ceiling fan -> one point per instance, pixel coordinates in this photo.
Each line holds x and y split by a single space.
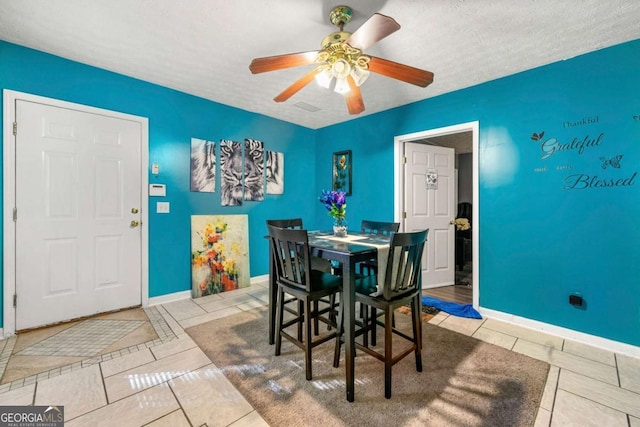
341 59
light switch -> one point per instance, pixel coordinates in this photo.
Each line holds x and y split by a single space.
155 169
162 207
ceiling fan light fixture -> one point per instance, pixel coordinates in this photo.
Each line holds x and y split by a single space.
324 77
342 86
359 75
341 68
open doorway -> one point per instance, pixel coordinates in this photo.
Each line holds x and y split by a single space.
461 246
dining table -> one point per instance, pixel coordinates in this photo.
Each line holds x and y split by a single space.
347 250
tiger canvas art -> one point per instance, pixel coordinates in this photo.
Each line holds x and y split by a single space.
253 170
203 165
230 173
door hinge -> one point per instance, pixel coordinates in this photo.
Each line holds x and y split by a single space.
15 300
404 215
15 214
15 128
404 158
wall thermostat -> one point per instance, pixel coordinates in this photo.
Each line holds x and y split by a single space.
157 190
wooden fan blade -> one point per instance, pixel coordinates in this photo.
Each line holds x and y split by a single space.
355 104
297 85
272 63
408 74
375 29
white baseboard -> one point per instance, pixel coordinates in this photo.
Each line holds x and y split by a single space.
165 299
177 296
592 340
260 279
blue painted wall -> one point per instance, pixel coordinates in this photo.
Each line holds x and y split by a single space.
539 241
174 118
546 230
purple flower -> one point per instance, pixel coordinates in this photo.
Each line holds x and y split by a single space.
335 202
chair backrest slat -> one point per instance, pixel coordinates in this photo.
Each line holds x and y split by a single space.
404 264
286 223
379 227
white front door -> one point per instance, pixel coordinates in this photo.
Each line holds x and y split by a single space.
78 201
432 208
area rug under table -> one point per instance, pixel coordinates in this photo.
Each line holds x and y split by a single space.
465 382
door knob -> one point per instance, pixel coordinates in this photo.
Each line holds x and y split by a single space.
134 224
134 210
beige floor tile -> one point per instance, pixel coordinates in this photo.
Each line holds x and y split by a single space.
124 363
184 309
253 419
137 410
186 323
172 323
525 333
568 361
629 368
589 352
140 335
207 299
250 305
549 393
495 337
543 418
461 325
597 391
19 396
128 314
438 318
172 347
79 391
174 419
25 366
572 410
634 422
235 292
135 380
209 385
221 303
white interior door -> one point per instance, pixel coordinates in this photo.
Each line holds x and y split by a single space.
78 201
432 208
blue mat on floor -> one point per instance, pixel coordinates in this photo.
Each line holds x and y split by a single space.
453 308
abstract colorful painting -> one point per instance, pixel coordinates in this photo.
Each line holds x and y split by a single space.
253 170
275 172
203 165
231 173
219 253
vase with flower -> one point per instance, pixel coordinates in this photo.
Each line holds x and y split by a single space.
336 204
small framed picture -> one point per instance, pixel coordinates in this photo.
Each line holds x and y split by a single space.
342 171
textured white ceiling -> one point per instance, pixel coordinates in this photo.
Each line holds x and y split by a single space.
204 47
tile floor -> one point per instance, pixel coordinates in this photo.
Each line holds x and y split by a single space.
164 382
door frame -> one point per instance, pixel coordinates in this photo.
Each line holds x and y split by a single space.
9 196
398 186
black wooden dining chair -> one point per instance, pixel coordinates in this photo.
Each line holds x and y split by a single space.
317 263
402 285
294 276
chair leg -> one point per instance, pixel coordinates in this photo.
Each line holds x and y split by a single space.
316 322
339 332
279 318
332 312
374 323
417 332
301 316
388 352
307 339
365 325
